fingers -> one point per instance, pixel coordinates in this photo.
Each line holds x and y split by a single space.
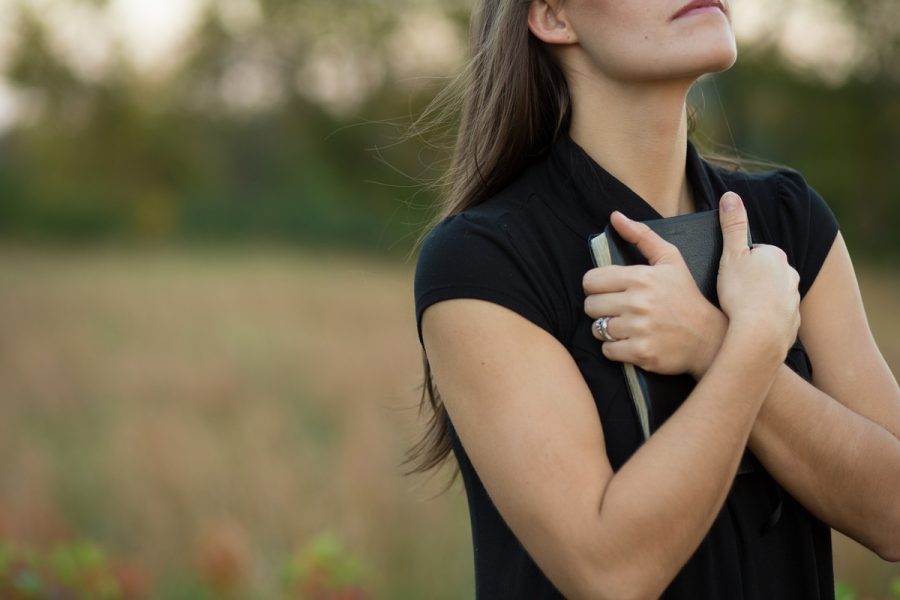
602 305
733 219
613 278
633 351
654 248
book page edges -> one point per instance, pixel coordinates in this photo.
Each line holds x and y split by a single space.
602 258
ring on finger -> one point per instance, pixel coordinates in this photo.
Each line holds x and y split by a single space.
600 326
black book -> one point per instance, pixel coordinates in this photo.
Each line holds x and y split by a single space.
698 237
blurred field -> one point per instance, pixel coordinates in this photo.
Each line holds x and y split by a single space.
165 402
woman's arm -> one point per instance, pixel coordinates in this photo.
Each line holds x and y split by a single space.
835 445
529 425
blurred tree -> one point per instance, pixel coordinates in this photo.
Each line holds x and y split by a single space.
279 118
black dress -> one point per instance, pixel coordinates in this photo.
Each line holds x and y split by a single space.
526 248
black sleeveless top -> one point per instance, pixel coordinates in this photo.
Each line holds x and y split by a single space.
526 248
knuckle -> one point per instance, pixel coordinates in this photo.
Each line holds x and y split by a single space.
643 275
590 305
775 252
776 255
642 229
642 234
642 306
640 327
735 226
642 351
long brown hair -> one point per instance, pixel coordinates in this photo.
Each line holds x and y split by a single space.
513 101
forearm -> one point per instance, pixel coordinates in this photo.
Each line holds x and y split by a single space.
678 479
841 466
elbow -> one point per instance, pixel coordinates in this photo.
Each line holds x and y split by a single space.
889 549
609 566
620 587
889 553
615 570
622 581
887 545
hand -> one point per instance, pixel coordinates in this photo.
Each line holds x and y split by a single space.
757 287
661 320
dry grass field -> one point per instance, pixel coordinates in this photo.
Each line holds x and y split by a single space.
173 404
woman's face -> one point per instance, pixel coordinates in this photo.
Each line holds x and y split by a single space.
632 40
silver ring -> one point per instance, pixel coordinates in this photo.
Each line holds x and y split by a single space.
600 328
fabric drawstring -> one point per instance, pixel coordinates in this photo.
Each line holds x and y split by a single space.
773 518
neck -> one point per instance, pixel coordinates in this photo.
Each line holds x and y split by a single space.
638 134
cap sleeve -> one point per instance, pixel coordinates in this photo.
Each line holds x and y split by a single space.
468 256
810 223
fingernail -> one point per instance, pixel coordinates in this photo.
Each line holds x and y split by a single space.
729 202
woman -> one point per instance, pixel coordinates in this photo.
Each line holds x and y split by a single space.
575 116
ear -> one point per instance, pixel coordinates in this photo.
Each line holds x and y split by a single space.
548 23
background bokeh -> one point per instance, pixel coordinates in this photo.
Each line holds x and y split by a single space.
209 366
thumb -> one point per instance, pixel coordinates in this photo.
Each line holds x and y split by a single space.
733 219
654 248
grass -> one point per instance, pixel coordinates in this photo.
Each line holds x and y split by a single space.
175 404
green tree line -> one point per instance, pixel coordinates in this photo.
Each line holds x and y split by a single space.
129 156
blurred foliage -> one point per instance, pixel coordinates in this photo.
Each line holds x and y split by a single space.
79 570
232 144
73 570
322 570
845 591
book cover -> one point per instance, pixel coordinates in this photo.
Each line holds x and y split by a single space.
698 237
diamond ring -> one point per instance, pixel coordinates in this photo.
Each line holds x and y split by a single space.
600 327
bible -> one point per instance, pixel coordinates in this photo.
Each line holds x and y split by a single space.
698 236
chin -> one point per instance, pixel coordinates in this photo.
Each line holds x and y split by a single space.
713 52
710 51
722 60
723 54
712 59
